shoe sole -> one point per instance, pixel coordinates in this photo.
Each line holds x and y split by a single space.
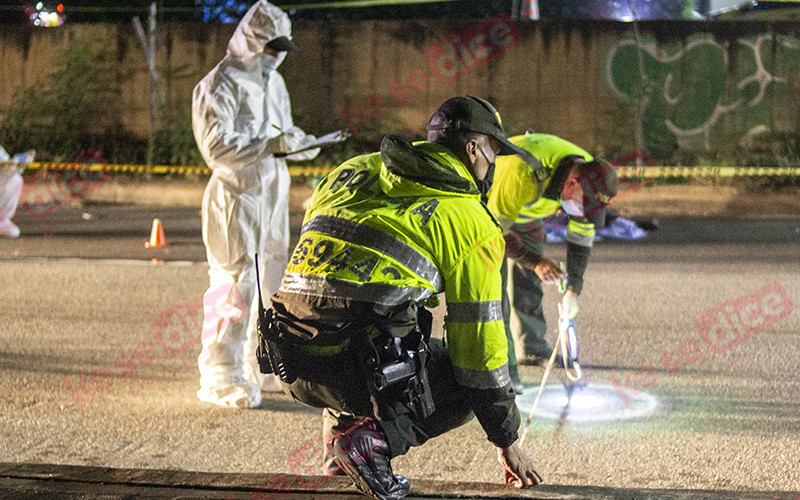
359 482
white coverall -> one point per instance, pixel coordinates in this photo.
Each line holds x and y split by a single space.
10 191
241 117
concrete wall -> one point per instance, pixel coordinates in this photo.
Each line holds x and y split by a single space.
709 87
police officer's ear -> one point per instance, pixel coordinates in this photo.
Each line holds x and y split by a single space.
472 149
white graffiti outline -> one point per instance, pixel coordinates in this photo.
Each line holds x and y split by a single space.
685 136
667 96
762 76
661 55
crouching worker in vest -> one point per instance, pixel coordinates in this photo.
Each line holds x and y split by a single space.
348 330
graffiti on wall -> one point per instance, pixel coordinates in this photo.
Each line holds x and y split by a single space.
704 93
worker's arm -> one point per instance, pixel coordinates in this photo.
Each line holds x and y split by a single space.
524 243
479 353
580 236
547 270
225 130
477 342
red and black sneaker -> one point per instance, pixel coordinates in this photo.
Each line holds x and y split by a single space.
362 453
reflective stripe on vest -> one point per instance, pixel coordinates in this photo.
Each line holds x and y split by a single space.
379 293
475 312
580 233
368 237
491 379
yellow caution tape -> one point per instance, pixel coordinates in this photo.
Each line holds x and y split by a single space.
655 172
295 171
309 171
624 172
105 167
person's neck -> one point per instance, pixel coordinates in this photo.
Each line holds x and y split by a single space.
462 156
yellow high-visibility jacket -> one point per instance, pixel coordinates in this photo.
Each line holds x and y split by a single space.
390 230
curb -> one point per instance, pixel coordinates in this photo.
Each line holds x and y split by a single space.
74 481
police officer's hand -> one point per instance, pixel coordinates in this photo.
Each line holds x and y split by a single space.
517 467
568 308
547 270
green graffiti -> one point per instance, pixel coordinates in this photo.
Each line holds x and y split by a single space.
702 94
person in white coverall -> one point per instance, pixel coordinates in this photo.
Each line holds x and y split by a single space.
241 119
10 191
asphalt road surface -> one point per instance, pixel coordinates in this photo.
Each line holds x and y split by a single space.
689 339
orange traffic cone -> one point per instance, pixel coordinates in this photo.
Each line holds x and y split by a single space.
157 238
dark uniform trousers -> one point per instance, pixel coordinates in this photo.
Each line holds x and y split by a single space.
336 385
528 296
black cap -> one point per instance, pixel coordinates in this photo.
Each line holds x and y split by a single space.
474 114
282 44
599 183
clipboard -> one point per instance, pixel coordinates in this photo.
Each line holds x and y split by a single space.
326 140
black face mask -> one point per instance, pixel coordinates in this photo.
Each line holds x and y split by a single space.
485 184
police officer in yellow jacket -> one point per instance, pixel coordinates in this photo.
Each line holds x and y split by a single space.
521 198
385 233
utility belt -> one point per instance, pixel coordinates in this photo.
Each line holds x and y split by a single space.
393 369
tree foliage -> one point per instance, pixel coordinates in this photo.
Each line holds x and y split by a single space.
63 112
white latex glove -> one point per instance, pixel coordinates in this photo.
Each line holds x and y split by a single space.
285 142
568 308
305 155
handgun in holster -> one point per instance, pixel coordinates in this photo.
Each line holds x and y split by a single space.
396 371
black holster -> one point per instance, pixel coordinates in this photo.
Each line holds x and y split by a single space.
395 370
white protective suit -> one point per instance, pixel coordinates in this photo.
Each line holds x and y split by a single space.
10 191
241 117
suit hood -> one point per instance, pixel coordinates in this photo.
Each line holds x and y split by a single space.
262 23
